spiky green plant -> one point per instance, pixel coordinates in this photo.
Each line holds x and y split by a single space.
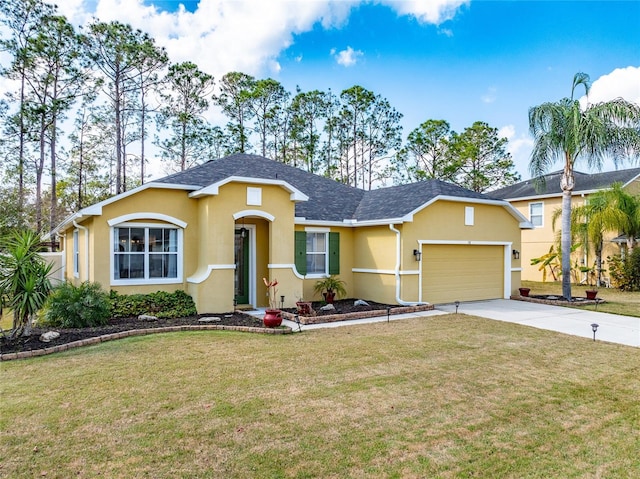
24 282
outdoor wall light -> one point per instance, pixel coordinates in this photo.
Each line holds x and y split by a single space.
516 254
594 328
417 254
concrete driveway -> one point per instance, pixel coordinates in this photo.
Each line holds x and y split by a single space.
577 322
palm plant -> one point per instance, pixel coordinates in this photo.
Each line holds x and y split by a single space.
565 130
24 282
630 206
600 214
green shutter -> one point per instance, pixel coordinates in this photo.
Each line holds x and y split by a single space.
301 252
334 253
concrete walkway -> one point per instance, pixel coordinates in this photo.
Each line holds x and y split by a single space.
577 322
380 319
613 328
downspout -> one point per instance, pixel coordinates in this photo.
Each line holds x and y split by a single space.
397 268
86 248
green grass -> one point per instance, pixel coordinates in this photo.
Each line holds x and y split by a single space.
445 397
616 301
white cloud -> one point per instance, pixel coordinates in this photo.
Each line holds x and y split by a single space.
347 57
489 96
620 83
224 35
519 146
427 11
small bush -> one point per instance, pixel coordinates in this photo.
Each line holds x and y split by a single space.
161 304
81 306
625 272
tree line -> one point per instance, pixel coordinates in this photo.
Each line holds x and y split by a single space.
89 102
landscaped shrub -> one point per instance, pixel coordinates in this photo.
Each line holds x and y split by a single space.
625 273
81 306
160 304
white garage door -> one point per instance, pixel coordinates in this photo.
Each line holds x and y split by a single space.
462 273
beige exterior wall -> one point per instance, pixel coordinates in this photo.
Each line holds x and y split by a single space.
346 265
208 242
445 223
368 254
374 261
272 248
537 242
440 223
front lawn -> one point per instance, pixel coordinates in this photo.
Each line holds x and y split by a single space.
442 397
616 301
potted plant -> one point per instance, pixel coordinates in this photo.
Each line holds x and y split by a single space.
592 292
272 316
304 307
524 291
330 287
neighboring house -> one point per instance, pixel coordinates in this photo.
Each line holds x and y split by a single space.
538 205
217 229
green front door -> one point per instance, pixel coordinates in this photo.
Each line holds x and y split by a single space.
241 292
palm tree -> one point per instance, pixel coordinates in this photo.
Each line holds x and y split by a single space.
630 205
600 214
24 282
564 130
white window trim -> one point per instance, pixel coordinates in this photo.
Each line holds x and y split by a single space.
541 203
469 215
325 231
142 281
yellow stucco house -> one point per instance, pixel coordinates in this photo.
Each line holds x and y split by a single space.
538 206
216 230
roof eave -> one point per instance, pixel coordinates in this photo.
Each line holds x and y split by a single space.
213 189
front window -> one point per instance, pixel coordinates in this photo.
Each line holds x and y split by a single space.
535 214
317 253
145 253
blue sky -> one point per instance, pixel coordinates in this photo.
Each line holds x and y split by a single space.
457 60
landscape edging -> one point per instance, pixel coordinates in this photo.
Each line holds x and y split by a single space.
332 318
138 332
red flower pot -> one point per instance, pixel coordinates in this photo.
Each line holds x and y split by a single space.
591 294
272 318
524 291
329 296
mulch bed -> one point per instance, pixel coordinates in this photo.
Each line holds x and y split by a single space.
67 336
557 300
236 320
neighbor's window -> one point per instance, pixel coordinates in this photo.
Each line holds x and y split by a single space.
535 214
316 253
145 253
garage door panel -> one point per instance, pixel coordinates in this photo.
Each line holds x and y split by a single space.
462 272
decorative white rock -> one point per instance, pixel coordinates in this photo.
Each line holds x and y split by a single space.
328 307
360 302
209 319
49 336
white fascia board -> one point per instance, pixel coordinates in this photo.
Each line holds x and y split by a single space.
522 220
347 223
96 209
213 189
554 195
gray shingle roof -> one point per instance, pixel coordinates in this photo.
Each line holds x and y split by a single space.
398 201
328 199
584 182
